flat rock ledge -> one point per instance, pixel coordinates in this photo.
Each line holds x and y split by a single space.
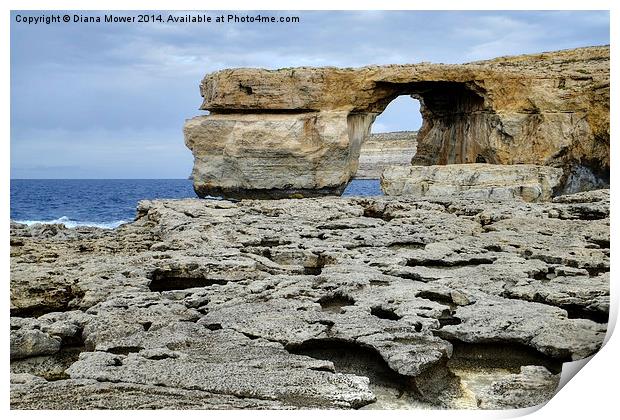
475 181
390 302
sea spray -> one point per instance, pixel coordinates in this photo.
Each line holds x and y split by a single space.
74 223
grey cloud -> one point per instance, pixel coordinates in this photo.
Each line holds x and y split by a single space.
105 86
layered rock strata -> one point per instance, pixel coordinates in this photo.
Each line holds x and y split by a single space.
298 131
389 302
475 181
382 150
275 155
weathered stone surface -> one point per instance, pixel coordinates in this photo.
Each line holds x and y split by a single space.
314 303
274 155
546 109
493 320
534 385
475 181
225 362
34 393
32 343
381 150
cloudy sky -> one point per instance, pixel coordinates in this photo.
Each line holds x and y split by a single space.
109 100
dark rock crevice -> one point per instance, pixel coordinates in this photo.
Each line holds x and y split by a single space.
124 350
506 355
585 312
384 313
334 303
444 263
179 279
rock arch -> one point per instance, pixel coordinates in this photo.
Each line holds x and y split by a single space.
297 132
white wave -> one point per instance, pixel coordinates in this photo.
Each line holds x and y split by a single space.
64 220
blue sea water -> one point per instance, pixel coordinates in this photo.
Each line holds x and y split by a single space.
108 203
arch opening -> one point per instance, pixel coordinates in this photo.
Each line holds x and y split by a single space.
401 114
392 138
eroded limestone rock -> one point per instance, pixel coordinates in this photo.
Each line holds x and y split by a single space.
545 109
532 386
275 155
314 303
476 181
34 393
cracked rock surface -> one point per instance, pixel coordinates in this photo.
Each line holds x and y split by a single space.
386 302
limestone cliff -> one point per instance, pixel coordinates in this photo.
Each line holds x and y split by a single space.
298 131
382 150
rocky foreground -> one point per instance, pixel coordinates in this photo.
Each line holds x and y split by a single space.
387 302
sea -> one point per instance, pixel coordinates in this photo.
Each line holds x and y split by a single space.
108 203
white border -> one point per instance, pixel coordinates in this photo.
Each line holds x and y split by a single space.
591 395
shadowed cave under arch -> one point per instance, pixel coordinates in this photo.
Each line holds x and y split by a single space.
454 119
